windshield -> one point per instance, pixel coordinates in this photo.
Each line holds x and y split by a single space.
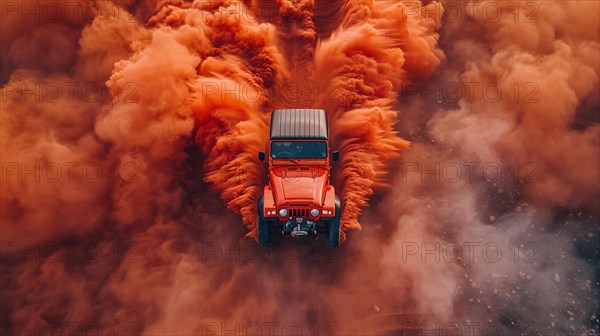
298 149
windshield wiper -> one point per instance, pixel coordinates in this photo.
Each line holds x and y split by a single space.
293 160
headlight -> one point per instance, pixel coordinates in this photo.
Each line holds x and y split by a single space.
314 212
283 212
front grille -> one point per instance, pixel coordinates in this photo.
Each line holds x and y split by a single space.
297 212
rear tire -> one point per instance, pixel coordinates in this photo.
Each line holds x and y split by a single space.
264 232
334 225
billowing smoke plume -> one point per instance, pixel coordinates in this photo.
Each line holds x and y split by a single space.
230 101
130 129
363 64
502 181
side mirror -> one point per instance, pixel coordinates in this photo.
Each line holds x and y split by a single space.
261 156
335 156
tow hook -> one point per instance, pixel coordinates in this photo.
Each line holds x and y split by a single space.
299 226
298 232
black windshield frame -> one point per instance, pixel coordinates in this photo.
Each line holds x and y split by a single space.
299 149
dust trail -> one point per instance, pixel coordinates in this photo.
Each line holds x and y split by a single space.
297 38
299 35
360 70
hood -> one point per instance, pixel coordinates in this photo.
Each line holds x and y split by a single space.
299 185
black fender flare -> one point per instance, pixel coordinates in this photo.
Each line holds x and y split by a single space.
338 206
260 206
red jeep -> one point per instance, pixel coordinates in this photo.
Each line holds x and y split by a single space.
299 201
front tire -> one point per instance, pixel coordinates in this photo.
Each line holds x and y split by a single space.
264 232
334 225
334 233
